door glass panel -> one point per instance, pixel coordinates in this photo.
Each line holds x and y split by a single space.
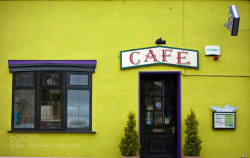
167 117
51 109
157 118
24 102
168 87
149 103
149 88
158 88
149 118
51 79
158 103
167 103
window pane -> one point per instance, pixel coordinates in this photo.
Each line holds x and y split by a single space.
83 96
51 79
73 96
51 109
78 109
84 122
73 109
78 79
84 109
72 122
24 79
24 102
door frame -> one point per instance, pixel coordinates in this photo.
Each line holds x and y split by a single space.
178 102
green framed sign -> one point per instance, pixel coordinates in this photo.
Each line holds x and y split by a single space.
224 120
159 55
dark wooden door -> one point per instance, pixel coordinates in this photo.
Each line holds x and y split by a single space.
157 117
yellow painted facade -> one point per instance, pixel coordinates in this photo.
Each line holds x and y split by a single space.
99 30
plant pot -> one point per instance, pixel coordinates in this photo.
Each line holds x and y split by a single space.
130 156
191 156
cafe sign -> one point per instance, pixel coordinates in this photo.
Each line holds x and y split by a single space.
159 55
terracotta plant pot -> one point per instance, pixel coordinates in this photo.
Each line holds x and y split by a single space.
130 156
191 156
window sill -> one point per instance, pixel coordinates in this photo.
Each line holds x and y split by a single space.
19 131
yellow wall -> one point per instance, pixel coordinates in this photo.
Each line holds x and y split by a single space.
99 30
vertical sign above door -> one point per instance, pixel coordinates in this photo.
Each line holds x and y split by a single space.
159 55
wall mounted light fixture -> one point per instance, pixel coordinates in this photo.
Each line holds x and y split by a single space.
233 20
160 41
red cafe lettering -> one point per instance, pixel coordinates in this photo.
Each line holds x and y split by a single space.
159 55
151 55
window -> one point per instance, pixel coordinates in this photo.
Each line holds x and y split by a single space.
52 99
158 102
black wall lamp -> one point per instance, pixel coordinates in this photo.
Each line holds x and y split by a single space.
160 41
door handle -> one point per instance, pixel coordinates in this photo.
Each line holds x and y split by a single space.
173 130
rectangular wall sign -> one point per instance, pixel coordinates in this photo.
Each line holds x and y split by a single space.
233 20
212 50
159 55
224 120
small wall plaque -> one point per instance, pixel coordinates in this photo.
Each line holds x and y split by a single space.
212 50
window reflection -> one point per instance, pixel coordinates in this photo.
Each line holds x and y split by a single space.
24 109
51 79
149 103
78 109
24 79
149 88
158 88
158 103
158 118
149 118
167 117
47 100
51 109
78 79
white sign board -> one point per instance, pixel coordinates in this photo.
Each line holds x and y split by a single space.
159 55
212 50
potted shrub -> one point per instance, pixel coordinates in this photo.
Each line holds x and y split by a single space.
129 145
192 146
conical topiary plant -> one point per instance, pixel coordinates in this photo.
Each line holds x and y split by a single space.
129 145
192 146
